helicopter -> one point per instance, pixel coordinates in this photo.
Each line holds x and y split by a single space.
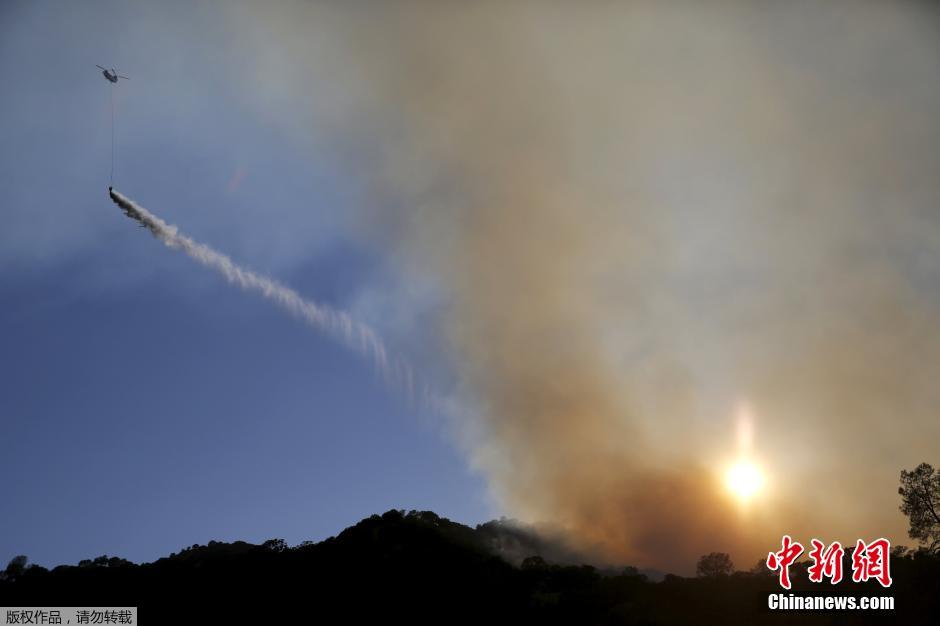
111 74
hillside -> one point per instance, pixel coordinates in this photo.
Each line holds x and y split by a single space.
422 568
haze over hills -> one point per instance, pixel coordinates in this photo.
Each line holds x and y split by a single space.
422 568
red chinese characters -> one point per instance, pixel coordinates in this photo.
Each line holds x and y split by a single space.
869 561
782 560
872 561
827 562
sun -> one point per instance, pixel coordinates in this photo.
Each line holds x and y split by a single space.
744 480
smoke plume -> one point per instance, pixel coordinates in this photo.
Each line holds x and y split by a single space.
639 215
337 323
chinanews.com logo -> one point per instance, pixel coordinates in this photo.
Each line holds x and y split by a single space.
870 561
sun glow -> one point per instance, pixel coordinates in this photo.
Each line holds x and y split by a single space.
744 479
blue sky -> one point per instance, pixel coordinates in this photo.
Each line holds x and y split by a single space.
145 404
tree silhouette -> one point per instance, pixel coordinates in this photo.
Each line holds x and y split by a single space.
760 569
15 567
534 562
275 545
920 501
714 564
433 570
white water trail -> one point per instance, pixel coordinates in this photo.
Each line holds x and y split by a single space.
340 324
